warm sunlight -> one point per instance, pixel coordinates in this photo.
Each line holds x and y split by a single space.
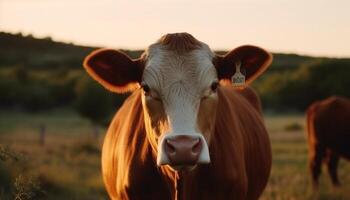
306 27
122 99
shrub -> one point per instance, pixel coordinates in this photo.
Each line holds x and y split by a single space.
93 101
311 82
27 189
9 90
36 97
21 188
31 95
62 90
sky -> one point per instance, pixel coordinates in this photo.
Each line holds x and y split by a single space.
311 27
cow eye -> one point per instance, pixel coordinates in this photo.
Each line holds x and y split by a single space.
214 86
145 88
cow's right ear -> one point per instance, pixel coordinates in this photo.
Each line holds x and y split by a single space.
114 70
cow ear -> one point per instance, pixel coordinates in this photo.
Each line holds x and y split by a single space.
114 70
253 62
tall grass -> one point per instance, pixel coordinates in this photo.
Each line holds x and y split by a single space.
67 166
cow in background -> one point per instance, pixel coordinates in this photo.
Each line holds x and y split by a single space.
328 133
185 132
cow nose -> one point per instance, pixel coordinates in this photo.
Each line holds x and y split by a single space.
183 150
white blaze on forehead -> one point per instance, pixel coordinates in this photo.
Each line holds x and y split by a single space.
180 81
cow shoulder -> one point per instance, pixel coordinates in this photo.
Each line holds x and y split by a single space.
249 94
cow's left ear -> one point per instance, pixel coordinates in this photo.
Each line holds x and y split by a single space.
114 70
253 62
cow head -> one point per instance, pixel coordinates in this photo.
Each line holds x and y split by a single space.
179 76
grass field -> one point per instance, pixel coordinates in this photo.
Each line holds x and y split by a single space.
67 166
290 176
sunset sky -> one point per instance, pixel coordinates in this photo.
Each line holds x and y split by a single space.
313 27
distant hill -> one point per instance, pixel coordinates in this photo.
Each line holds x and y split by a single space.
18 49
40 74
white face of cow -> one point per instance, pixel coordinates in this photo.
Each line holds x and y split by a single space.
179 80
179 87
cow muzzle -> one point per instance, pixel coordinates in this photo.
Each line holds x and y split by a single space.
182 151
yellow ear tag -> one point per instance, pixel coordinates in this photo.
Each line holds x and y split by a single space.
238 79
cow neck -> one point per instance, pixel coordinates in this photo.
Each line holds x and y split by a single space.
175 182
183 178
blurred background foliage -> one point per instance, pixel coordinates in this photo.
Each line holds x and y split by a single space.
40 74
294 90
44 89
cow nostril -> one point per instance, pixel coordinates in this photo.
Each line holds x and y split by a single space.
196 147
170 149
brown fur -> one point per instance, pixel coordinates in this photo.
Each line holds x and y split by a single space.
179 42
128 164
252 97
328 124
240 156
230 120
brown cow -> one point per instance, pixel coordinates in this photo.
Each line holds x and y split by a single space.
184 133
328 125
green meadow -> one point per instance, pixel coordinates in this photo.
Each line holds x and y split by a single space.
67 165
290 178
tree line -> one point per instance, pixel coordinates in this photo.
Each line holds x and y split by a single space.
297 89
41 74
